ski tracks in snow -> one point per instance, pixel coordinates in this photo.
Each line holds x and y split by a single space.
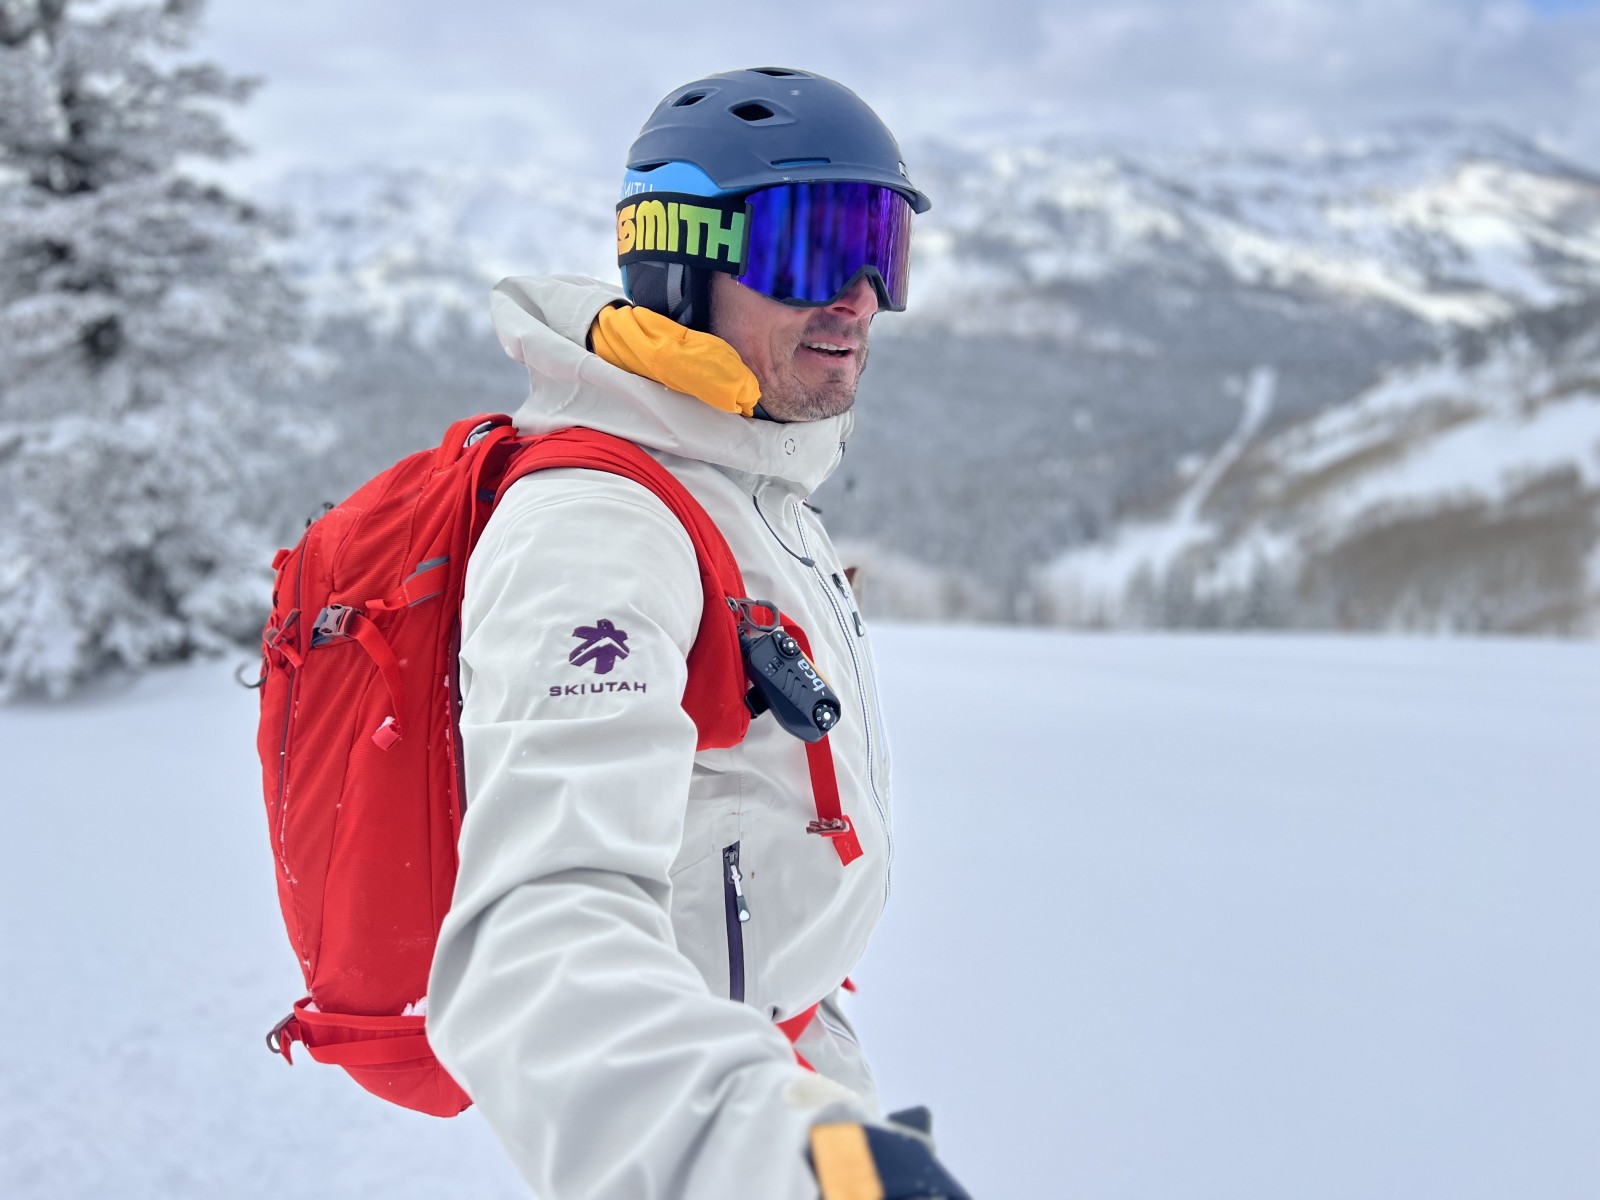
1260 391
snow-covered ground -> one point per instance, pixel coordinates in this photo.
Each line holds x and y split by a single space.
1174 918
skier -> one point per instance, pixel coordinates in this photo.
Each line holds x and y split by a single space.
639 978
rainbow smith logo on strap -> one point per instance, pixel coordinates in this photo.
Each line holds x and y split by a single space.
700 231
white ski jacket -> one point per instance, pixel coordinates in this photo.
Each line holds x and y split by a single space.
583 988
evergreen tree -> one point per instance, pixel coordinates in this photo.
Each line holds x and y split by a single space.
139 318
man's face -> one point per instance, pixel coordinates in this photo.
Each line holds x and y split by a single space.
807 360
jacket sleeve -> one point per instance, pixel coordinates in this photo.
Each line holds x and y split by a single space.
592 1047
831 1045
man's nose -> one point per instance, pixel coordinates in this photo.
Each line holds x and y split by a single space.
858 300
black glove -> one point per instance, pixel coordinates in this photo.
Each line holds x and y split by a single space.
919 1118
854 1162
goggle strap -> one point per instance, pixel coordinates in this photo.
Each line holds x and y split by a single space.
674 227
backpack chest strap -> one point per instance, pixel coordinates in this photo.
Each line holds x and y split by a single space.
831 822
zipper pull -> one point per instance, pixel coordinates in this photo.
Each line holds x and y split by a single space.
738 891
850 604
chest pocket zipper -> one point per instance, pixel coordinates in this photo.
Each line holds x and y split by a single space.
737 911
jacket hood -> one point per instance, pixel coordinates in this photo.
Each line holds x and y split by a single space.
544 323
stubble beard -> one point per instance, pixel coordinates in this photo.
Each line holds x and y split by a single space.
791 400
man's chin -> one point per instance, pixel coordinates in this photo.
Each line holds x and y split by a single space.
836 393
814 404
827 405
838 383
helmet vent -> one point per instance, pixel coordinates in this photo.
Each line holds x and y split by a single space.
777 72
691 98
754 112
801 162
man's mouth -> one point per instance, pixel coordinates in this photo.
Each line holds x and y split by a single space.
830 349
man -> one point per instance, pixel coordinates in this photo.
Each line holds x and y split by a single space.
638 929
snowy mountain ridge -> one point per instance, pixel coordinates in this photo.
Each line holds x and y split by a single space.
1458 226
1455 225
1220 387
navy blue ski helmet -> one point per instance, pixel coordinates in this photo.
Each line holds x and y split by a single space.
782 178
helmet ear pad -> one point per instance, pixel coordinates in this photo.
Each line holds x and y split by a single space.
678 292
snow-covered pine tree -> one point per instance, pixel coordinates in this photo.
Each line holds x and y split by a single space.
139 319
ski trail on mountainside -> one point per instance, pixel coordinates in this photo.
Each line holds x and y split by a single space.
1093 578
1259 394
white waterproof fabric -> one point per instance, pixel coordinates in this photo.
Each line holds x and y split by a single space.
580 992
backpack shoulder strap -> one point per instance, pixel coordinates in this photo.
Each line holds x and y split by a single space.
714 695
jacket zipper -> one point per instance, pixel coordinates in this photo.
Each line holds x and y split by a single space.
871 666
737 912
863 692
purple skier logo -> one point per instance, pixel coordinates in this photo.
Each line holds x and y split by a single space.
603 644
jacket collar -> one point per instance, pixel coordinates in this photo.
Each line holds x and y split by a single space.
544 323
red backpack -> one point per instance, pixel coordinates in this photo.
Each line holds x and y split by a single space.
360 751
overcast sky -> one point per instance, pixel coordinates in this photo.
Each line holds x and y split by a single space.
486 81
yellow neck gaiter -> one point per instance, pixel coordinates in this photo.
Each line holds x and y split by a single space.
698 364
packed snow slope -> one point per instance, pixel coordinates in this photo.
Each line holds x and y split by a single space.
1174 918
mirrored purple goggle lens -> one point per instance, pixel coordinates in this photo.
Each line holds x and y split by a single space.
811 241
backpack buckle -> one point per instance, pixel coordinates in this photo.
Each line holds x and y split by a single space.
479 432
332 622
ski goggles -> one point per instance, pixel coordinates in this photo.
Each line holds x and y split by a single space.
804 244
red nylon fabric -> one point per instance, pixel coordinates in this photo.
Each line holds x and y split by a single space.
364 829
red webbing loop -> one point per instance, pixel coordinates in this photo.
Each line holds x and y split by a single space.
386 1052
350 1041
371 639
285 650
831 822
277 642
